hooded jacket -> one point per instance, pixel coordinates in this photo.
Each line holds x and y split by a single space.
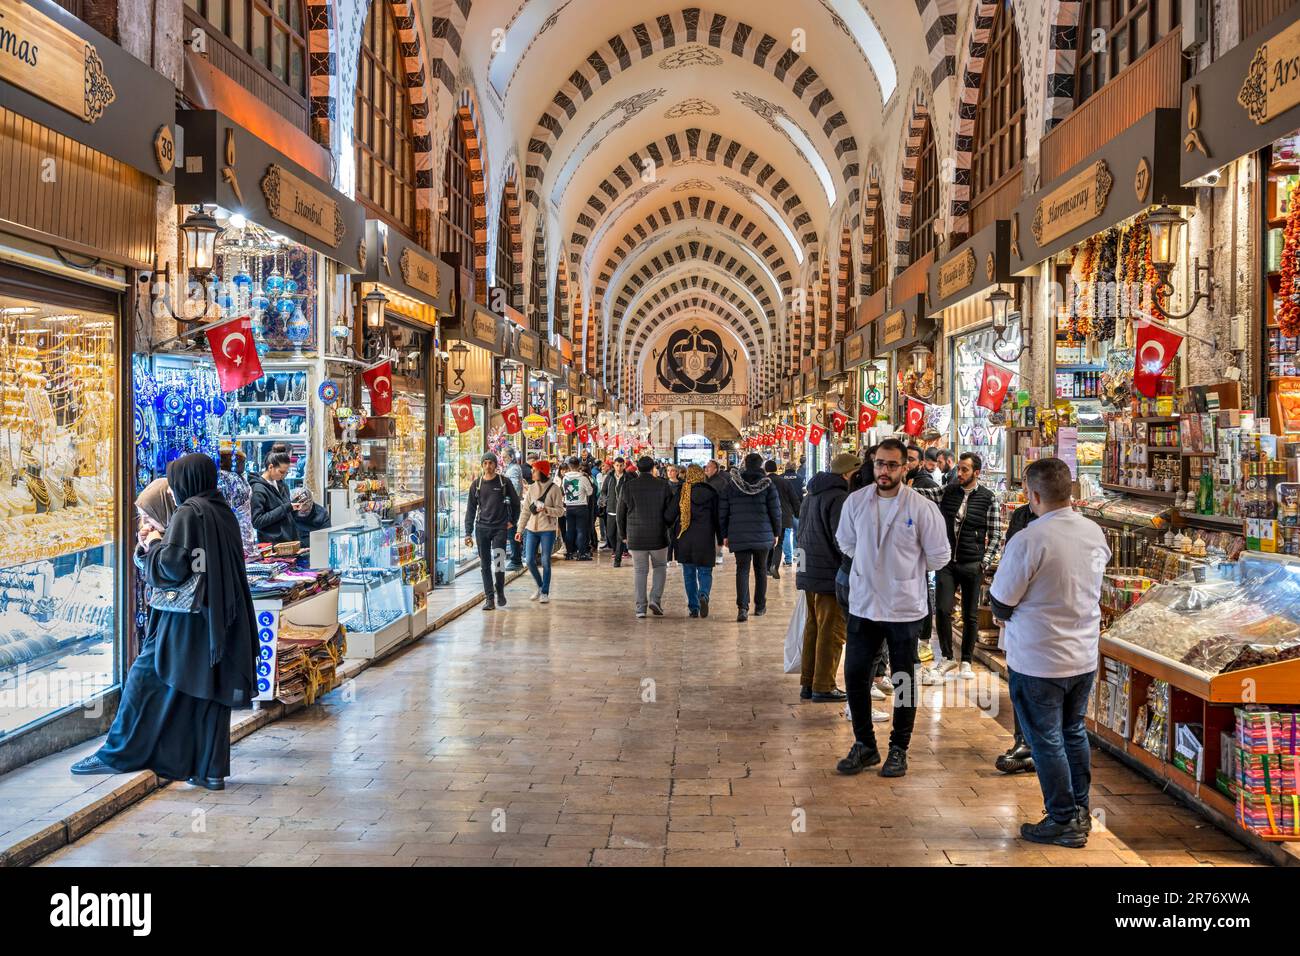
785 491
750 511
697 545
272 511
647 510
819 519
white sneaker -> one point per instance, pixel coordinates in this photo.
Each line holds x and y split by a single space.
967 672
537 595
930 676
884 685
877 693
948 670
545 599
878 716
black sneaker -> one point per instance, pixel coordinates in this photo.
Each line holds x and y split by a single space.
859 759
501 599
704 606
835 696
655 609
1008 764
895 763
694 613
207 783
1085 820
1048 830
805 693
775 574
489 604
742 616
759 611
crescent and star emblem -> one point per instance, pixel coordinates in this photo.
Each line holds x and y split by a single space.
387 384
1159 349
225 347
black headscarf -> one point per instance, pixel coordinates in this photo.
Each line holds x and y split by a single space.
193 480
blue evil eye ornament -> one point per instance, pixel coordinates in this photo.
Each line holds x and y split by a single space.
137 425
242 280
173 401
218 406
290 285
328 391
259 303
142 477
199 408
274 282
284 306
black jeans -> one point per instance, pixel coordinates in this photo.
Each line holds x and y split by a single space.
577 528
967 577
758 558
1050 713
491 540
864 640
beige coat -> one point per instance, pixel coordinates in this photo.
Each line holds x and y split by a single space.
552 501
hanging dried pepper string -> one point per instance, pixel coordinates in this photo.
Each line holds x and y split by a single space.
1288 312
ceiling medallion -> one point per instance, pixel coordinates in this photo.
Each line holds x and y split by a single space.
694 106
693 54
686 185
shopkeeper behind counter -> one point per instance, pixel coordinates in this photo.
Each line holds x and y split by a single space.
276 516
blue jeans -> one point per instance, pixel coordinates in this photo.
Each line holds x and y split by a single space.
1050 713
699 582
538 546
787 545
577 527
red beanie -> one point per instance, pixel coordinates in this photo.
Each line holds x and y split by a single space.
544 467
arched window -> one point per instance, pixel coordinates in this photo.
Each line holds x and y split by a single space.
385 150
458 223
879 276
1128 28
537 285
847 290
270 32
925 200
505 261
562 307
999 140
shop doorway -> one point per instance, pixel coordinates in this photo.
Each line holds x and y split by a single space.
690 449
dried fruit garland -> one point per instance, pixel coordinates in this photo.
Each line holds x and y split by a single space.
1288 313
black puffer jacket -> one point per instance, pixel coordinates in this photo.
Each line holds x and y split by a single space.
697 545
750 511
817 523
785 490
646 511
271 511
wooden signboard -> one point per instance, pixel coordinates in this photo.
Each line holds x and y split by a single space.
295 203
50 61
893 327
957 274
419 272
1074 203
1272 82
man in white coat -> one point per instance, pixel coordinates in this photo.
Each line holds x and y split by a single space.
894 536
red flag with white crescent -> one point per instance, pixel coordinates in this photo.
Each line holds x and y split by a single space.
915 417
993 387
379 380
866 417
235 353
570 423
511 417
815 434
584 434
800 433
1156 348
838 420
462 410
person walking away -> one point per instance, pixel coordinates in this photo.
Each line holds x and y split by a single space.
676 476
515 475
894 536
698 533
269 504
1048 591
647 510
791 476
577 490
750 514
823 634
789 508
543 504
194 666
716 477
490 515
973 519
1018 758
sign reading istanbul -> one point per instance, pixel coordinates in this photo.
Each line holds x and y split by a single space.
1272 83
419 272
50 61
296 204
1075 202
957 274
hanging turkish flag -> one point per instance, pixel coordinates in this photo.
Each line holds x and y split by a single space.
815 434
511 417
1156 348
866 417
618 441
800 433
584 434
462 409
235 354
569 422
993 387
915 417
379 379
838 420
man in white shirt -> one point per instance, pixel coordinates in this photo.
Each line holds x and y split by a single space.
1047 590
893 535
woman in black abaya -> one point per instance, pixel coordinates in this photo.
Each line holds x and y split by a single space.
174 717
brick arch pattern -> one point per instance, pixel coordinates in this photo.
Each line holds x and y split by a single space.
694 144
323 70
417 91
447 34
537 261
907 186
843 293
510 208
939 18
872 207
467 116
691 25
1062 57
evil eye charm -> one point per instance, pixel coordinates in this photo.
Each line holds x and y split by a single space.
259 303
173 402
199 408
137 425
328 392
242 280
290 286
274 282
284 306
218 406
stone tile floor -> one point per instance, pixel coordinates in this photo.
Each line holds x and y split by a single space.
574 734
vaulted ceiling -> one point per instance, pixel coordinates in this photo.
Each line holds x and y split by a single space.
688 160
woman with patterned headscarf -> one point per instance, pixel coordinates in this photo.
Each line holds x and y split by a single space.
696 535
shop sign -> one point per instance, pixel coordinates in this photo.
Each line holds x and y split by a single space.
553 364
535 425
50 61
829 362
575 381
486 329
957 274
419 272
893 327
1272 82
810 382
297 204
1075 202
527 348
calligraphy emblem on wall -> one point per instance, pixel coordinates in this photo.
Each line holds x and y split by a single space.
694 360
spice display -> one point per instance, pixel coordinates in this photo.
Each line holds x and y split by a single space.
1288 308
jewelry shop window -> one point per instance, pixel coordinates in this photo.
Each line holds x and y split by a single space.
385 150
58 377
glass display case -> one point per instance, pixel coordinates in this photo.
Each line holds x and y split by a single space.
274 409
374 603
58 509
459 455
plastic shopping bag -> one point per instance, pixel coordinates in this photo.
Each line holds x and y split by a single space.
794 637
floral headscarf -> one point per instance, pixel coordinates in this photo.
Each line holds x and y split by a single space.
694 474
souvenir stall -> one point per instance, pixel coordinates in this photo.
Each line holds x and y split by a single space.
978 307
524 353
836 396
475 342
906 335
810 411
856 355
71 273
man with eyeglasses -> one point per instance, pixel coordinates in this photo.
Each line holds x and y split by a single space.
894 536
